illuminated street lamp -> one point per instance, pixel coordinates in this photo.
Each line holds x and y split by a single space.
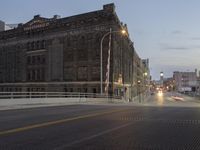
161 79
145 74
120 79
161 74
139 90
123 32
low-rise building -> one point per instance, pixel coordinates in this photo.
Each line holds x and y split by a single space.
185 81
5 27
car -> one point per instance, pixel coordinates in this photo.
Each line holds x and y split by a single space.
177 98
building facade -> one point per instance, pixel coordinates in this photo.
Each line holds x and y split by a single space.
185 81
63 54
5 27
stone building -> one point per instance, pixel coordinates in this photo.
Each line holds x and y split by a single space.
63 54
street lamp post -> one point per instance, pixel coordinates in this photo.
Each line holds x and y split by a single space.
145 84
138 83
101 54
161 79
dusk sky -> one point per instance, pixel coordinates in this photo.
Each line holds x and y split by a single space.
165 31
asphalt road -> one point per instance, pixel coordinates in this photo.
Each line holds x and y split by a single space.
101 127
172 99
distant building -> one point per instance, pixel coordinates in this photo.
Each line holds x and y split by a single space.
63 54
161 79
5 27
169 84
2 26
185 81
198 84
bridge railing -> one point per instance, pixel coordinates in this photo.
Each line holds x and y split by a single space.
15 95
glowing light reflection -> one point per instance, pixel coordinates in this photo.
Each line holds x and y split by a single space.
160 98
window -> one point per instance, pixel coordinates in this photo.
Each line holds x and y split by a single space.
85 90
38 59
43 59
94 90
33 59
97 38
69 73
82 73
38 45
68 42
38 74
83 54
69 56
32 46
82 40
97 53
28 46
42 74
95 73
43 44
28 60
33 75
79 90
28 75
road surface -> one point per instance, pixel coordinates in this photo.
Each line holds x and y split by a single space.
153 126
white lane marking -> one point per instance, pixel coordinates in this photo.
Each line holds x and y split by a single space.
92 137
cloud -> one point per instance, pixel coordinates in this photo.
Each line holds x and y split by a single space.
176 48
181 48
165 46
175 32
195 38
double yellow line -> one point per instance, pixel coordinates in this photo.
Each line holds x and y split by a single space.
45 124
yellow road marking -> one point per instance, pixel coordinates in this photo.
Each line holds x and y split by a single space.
39 125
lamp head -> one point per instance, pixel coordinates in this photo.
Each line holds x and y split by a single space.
123 31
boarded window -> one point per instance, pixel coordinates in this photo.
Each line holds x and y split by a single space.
82 73
95 73
69 73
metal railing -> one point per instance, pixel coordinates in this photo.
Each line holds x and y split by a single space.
14 95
